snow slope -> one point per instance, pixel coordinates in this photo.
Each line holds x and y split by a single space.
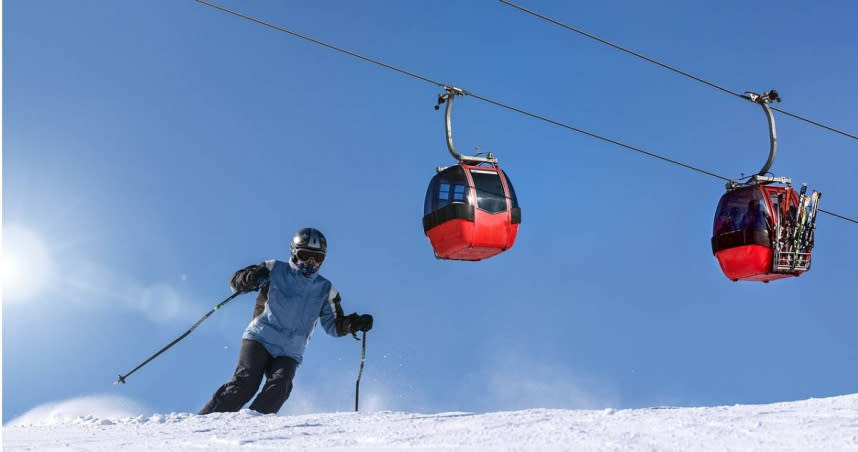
829 424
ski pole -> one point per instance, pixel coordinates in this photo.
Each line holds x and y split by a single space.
220 305
360 372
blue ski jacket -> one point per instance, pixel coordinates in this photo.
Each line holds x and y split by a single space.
293 303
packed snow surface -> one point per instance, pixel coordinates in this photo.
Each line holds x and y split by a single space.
816 424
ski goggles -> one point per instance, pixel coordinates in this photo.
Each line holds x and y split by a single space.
305 255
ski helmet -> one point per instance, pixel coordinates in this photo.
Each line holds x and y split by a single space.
307 244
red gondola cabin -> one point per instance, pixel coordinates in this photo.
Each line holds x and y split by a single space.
471 212
764 231
757 234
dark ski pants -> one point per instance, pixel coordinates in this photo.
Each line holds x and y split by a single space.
254 362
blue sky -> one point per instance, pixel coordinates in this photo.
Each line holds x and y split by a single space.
150 149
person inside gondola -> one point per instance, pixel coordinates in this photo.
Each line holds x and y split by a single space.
728 221
755 218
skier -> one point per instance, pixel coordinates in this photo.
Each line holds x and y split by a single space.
292 297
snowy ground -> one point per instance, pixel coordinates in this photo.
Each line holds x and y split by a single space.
829 424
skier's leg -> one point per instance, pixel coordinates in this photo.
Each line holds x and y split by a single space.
277 387
253 360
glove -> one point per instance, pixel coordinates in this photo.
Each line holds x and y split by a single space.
250 278
359 322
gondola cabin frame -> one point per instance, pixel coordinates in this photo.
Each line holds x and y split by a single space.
752 234
471 212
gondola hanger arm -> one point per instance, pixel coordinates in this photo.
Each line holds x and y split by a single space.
450 92
763 100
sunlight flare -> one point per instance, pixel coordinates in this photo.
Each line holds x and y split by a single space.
26 259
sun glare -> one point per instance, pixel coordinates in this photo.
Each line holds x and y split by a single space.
26 262
10 267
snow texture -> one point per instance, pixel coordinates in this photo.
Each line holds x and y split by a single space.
817 424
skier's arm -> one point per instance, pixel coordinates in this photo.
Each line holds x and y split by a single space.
251 278
335 323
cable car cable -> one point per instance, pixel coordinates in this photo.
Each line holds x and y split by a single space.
477 96
322 43
839 216
593 135
668 67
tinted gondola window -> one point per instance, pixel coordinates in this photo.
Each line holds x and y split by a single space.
490 193
447 187
512 197
742 209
